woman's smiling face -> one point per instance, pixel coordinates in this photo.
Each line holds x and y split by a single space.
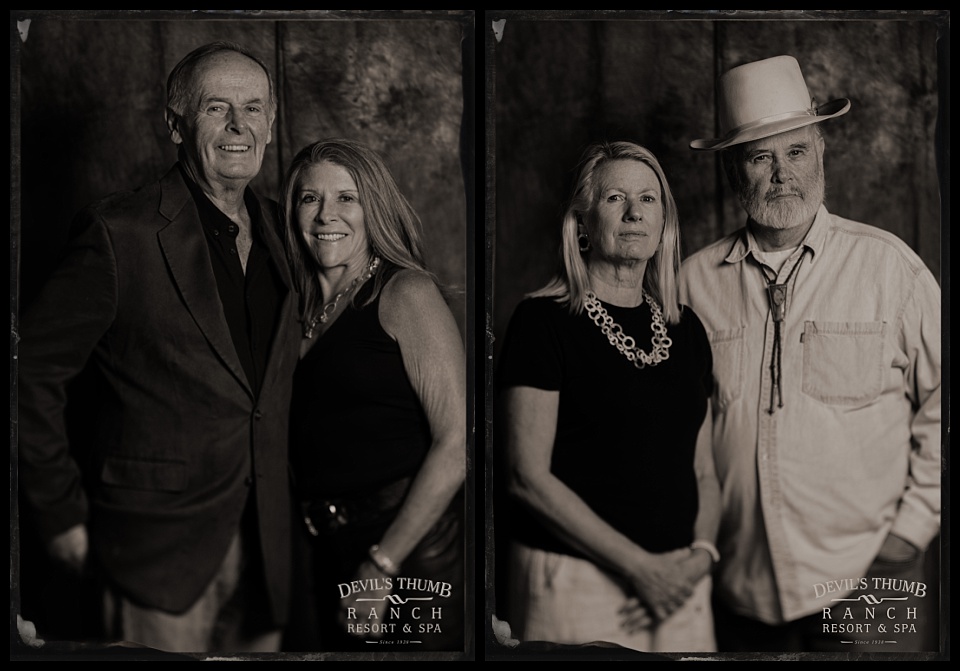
330 216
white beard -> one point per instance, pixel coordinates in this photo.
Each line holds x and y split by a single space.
772 212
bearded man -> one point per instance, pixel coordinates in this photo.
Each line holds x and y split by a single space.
825 335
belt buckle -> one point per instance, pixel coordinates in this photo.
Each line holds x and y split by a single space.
336 515
333 517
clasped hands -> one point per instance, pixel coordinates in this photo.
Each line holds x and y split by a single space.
662 583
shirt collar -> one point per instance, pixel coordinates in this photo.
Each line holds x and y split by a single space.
212 217
745 243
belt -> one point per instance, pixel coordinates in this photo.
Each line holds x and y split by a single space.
328 515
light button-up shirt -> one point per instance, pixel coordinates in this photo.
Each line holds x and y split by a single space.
811 490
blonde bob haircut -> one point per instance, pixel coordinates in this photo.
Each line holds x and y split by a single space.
572 282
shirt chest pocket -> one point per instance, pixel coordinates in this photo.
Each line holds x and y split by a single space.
843 361
727 348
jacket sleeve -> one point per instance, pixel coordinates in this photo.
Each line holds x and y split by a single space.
918 519
59 333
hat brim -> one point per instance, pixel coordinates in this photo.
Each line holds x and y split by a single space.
827 111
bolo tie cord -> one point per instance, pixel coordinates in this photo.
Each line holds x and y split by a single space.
776 369
777 293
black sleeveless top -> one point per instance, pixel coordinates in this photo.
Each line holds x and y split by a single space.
356 422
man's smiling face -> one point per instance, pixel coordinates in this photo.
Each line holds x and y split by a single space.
225 127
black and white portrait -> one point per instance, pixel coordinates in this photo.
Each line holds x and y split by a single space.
717 249
243 334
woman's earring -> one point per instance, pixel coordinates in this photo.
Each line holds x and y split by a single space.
584 242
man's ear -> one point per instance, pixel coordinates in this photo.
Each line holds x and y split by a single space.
173 125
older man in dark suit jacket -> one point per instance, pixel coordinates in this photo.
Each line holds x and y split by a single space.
180 296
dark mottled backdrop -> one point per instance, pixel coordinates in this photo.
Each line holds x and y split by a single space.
89 91
93 95
559 80
562 84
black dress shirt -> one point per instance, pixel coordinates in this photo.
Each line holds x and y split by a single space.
251 301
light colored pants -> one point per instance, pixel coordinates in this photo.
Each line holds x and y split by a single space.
216 622
563 599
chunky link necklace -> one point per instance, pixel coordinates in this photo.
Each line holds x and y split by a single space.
625 344
328 309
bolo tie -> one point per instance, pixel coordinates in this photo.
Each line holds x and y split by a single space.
777 296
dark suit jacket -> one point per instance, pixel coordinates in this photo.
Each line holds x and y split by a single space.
181 439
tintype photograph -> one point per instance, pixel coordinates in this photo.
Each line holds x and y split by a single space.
716 295
242 335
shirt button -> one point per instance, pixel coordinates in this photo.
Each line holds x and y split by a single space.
216 231
233 251
248 481
257 414
231 228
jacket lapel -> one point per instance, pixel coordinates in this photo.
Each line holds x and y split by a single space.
280 346
270 232
188 258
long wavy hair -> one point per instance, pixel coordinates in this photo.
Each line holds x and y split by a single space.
571 282
392 226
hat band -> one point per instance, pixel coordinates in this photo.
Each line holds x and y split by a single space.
768 120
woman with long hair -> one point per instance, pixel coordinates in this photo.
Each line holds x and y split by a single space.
605 382
378 420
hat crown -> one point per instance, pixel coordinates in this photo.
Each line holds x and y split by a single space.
761 90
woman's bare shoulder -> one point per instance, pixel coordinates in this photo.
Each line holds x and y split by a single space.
410 285
410 301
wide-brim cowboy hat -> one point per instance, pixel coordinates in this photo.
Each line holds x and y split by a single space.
765 98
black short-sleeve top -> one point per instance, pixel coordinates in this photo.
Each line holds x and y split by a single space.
625 437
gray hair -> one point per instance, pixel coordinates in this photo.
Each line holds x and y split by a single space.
179 79
731 158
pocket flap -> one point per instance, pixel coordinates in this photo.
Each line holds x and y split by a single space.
843 361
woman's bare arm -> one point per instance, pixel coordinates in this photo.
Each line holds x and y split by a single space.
531 421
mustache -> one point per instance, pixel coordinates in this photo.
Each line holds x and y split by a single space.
777 193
